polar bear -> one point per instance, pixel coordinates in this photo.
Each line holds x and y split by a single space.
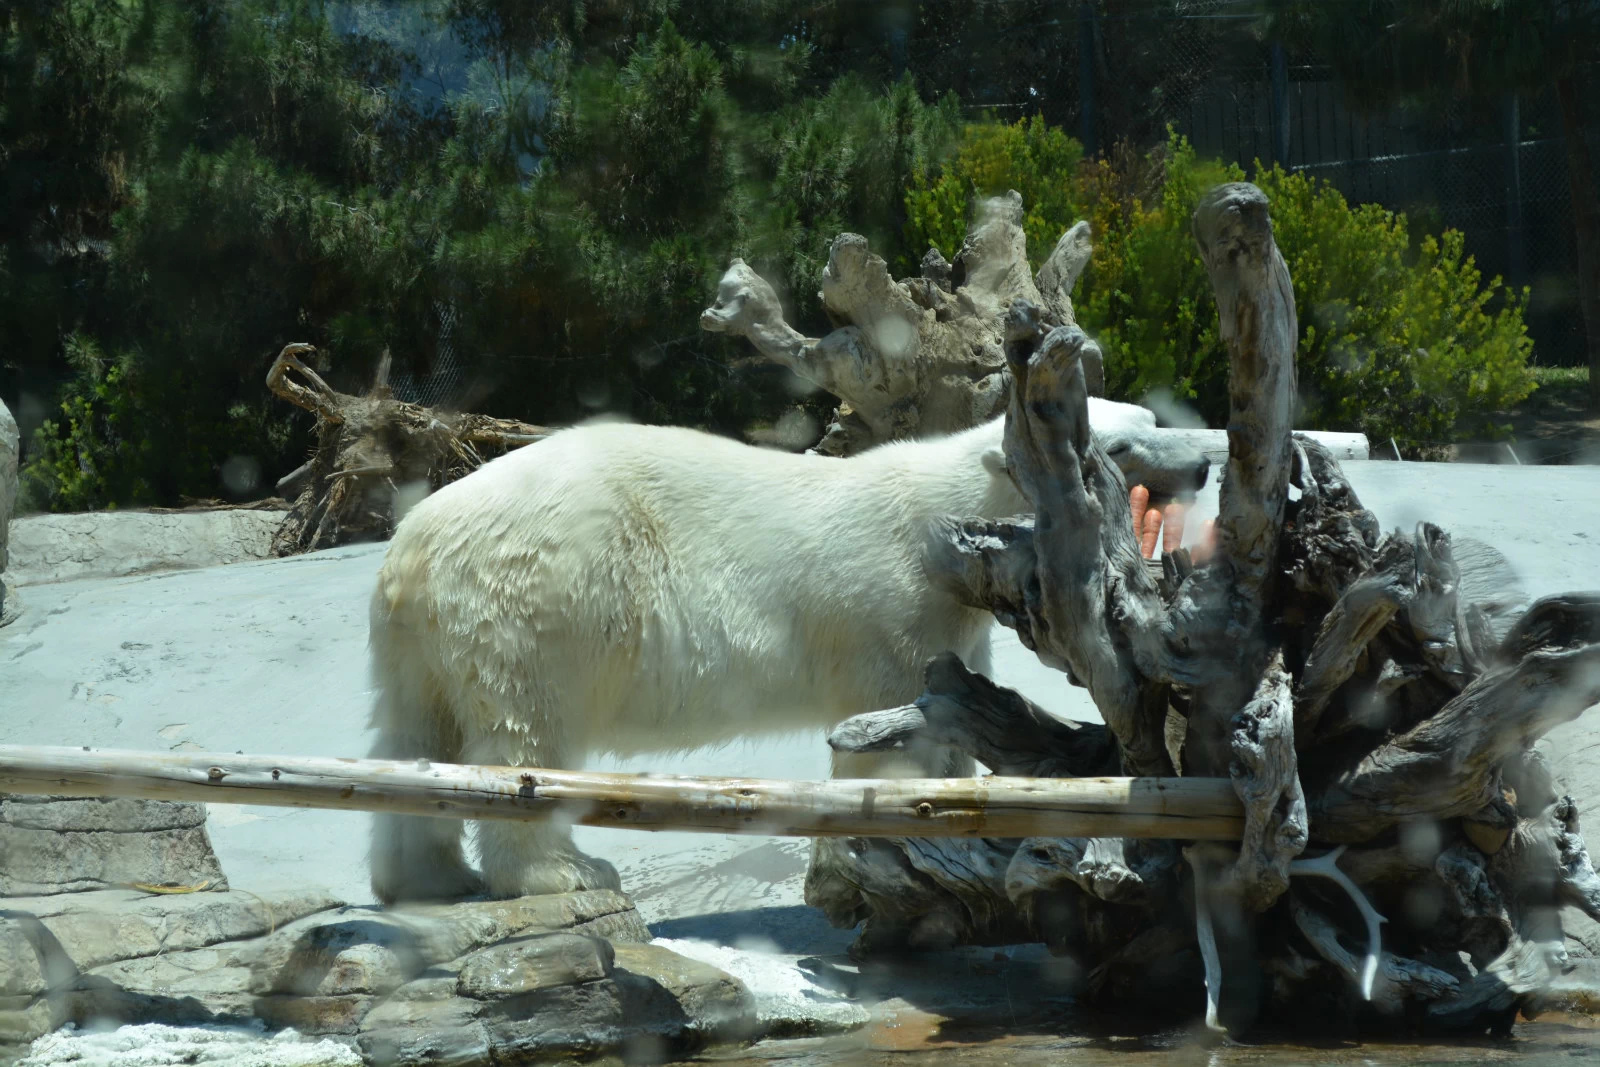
624 588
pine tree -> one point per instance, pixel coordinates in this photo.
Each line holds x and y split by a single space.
562 183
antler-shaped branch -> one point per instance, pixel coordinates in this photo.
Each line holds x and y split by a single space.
319 398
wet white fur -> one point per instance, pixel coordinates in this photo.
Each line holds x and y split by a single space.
624 588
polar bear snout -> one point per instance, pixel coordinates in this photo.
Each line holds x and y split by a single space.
1159 460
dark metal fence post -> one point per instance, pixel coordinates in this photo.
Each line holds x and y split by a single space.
1280 106
1515 262
1086 75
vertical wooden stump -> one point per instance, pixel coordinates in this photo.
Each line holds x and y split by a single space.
1372 698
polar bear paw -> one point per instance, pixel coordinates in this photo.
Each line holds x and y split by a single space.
567 873
428 882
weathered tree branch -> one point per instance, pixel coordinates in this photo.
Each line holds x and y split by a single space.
916 357
1255 309
1375 693
1264 775
998 727
936 807
1444 766
371 451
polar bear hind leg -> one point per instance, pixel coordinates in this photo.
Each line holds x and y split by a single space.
416 857
424 710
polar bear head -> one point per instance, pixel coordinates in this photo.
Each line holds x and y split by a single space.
1162 463
1160 460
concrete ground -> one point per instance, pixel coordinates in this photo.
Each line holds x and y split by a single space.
270 657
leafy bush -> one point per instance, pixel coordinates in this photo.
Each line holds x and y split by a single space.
81 457
1397 339
1030 156
117 440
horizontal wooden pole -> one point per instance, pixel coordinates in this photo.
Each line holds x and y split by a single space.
1214 443
1185 808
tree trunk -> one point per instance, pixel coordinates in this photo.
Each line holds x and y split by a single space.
1585 223
1355 689
373 454
919 356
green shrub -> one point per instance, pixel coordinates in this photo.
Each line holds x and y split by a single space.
1030 156
1395 340
132 431
1398 338
85 458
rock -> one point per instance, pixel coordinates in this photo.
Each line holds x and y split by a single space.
56 845
404 1031
527 964
364 950
68 814
315 1015
473 982
651 1004
30 961
585 1020
449 931
61 548
717 1006
200 986
124 955
436 983
788 1002
351 950
10 450
471 971
94 929
45 861
25 1018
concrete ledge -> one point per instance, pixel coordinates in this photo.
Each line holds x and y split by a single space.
114 544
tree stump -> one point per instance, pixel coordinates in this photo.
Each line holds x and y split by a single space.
920 356
1405 853
374 454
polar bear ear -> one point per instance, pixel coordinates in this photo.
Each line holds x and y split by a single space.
994 461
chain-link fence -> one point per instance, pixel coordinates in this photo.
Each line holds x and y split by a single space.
1123 72
442 384
1496 170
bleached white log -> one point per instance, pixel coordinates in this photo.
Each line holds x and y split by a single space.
1186 808
1213 444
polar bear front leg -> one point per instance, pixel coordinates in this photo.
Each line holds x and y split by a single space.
529 858
533 856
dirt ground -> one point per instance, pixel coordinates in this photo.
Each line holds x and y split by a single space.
1554 425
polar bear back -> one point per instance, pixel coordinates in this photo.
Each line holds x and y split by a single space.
644 588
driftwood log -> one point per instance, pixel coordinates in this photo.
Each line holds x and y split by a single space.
1136 807
919 356
1405 852
373 452
926 355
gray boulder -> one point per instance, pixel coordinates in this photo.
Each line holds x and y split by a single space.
526 980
